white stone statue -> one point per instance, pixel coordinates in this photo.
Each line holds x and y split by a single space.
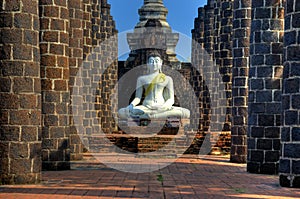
159 95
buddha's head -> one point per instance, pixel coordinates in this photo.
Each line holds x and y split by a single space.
154 62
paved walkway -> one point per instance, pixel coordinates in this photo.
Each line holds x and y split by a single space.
189 177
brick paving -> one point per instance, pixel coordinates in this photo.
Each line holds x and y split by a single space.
189 177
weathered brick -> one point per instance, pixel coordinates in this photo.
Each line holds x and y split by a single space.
22 84
23 21
13 5
29 134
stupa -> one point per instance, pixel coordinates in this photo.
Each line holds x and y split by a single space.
152 32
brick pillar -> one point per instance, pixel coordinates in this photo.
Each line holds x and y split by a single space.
110 76
208 47
208 27
54 42
289 167
240 70
87 27
217 59
75 83
20 93
264 119
87 64
225 61
197 61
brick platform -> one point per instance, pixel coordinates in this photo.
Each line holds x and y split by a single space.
189 177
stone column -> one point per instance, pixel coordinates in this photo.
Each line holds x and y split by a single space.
240 70
20 93
54 42
109 45
217 127
75 83
197 63
87 64
207 71
225 61
264 119
289 167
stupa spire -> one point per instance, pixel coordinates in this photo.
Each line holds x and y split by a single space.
153 9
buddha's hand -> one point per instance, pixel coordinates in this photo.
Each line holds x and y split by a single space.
130 107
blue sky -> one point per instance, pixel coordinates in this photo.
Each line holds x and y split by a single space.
180 17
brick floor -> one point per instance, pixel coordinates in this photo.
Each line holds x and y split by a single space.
189 177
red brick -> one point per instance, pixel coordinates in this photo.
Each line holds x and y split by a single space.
22 52
10 133
51 11
18 150
11 36
12 68
44 23
46 2
66 74
5 52
3 117
5 84
37 85
64 13
31 37
9 101
6 20
48 60
20 117
60 85
32 69
12 5
53 72
28 101
29 134
60 2
46 84
23 21
30 6
20 166
64 38
57 49
50 36
23 84
63 62
57 24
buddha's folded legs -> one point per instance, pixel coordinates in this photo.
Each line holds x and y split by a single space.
146 113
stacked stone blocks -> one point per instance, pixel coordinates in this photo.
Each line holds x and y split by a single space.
265 75
289 157
20 93
43 45
240 70
54 49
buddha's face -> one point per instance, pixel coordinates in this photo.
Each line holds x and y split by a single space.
154 64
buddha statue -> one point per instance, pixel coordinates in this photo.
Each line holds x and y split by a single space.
158 95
